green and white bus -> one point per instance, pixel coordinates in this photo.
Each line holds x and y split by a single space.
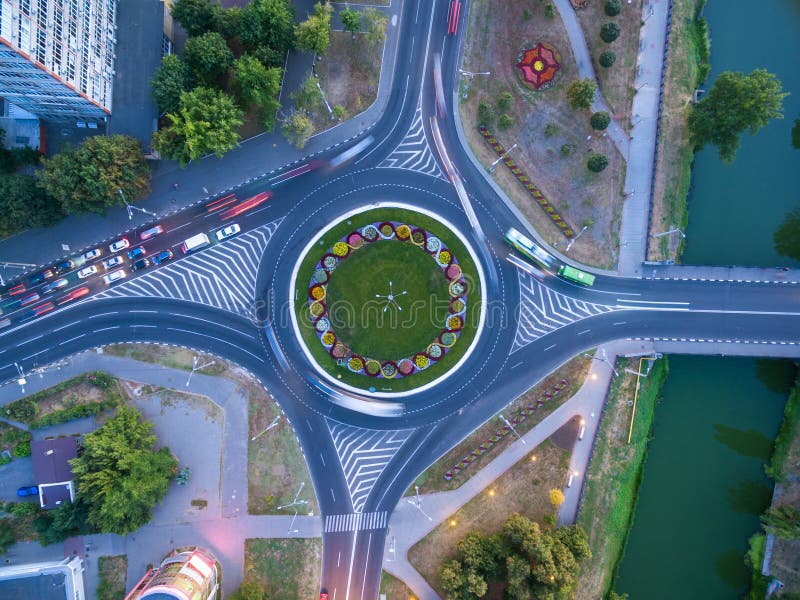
529 249
575 275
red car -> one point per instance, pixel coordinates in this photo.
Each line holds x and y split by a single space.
42 309
249 204
16 290
74 295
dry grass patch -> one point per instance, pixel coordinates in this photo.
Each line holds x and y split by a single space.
432 480
498 29
617 81
284 568
394 589
112 572
523 489
168 356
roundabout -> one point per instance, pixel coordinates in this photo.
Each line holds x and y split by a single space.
394 300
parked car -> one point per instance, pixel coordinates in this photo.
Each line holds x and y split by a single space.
40 277
162 256
120 244
92 254
115 276
136 252
228 231
86 272
66 265
112 262
140 264
152 232
55 285
28 490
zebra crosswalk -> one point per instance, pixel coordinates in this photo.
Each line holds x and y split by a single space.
356 522
541 310
414 153
364 454
223 276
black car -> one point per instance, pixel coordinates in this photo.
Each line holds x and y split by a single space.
142 263
162 256
66 265
40 277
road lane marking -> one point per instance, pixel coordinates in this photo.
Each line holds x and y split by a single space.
516 365
106 329
366 566
620 323
584 331
652 301
77 337
333 495
548 348
322 458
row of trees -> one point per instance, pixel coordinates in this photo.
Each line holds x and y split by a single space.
529 562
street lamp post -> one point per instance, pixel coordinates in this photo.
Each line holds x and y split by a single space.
671 231
575 239
470 75
268 427
501 157
418 503
296 502
196 368
130 208
605 360
21 381
511 427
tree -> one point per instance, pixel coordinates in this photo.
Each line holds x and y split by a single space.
581 93
787 237
351 20
268 23
600 120
451 577
505 122
195 16
597 162
23 204
574 537
556 498
249 590
88 179
171 79
476 554
257 85
339 112
314 34
121 475
208 57
206 122
736 103
609 32
297 128
374 23
607 59
518 570
308 96
613 7
7 537
504 101
782 522
229 23
485 114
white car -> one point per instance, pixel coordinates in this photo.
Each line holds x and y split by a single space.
86 272
92 254
115 276
120 244
226 232
112 262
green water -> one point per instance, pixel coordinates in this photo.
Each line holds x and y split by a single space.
704 484
735 208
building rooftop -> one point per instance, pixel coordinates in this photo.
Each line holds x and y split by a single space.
51 459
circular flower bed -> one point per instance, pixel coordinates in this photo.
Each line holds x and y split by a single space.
401 233
537 65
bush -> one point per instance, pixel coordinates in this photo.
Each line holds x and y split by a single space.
22 509
581 93
600 120
505 122
550 130
609 32
526 14
22 450
485 114
597 162
613 7
7 537
567 149
504 101
549 11
607 59
76 412
100 379
23 410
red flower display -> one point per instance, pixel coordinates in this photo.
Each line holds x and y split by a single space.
539 65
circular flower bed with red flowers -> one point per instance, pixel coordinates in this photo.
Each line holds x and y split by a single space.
450 325
537 65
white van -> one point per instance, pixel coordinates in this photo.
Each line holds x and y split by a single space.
196 242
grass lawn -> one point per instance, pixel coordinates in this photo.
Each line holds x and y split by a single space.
306 269
543 125
113 571
673 171
394 589
10 436
432 480
168 356
612 482
522 489
285 568
357 315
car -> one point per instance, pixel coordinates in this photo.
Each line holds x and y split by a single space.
150 233
28 490
66 265
54 285
162 256
91 254
74 295
140 264
112 262
40 277
120 244
115 276
136 252
42 308
17 290
30 299
323 595
5 322
226 232
86 272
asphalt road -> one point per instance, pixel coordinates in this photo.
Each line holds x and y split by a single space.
531 327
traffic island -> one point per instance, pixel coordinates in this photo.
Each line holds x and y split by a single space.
387 300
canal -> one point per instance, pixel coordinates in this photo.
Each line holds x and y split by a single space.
703 485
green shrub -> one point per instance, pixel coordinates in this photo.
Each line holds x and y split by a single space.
581 93
7 537
597 162
22 450
609 32
23 410
550 130
504 101
613 7
600 120
567 149
526 14
549 11
22 509
76 412
505 122
485 114
607 59
100 379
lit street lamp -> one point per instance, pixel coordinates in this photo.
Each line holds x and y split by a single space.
605 360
